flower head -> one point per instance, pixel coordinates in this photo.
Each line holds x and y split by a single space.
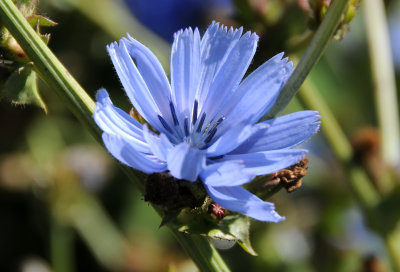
206 117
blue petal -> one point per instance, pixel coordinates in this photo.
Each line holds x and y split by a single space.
262 163
186 162
185 70
216 45
230 140
113 120
126 153
282 132
135 86
239 200
159 144
230 73
257 93
225 174
152 73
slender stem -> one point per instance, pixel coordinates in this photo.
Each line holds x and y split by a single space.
80 103
207 252
392 241
314 51
341 147
384 78
88 217
61 247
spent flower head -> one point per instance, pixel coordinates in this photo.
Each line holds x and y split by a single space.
205 116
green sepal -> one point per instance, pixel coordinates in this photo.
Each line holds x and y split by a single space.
21 88
238 227
168 218
39 20
196 221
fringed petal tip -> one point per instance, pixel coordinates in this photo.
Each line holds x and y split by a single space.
217 26
276 218
185 31
132 41
111 47
101 95
286 63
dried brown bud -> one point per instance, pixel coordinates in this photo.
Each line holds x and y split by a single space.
366 144
372 264
291 177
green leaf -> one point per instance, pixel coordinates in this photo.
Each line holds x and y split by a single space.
240 228
39 20
21 88
230 228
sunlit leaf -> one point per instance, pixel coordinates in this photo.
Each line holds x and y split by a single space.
231 228
21 88
39 20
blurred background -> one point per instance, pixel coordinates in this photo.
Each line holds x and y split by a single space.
65 205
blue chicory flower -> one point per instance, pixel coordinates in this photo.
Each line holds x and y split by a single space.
206 116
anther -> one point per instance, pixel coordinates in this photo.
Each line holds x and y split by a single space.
171 106
194 114
217 157
203 117
210 136
186 126
219 121
164 123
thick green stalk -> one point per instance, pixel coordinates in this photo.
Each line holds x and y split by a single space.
314 51
384 79
56 76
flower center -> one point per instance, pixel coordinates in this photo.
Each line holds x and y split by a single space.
196 132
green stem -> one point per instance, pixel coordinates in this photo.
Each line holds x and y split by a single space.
80 103
341 147
392 241
61 247
207 252
87 216
384 80
314 51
